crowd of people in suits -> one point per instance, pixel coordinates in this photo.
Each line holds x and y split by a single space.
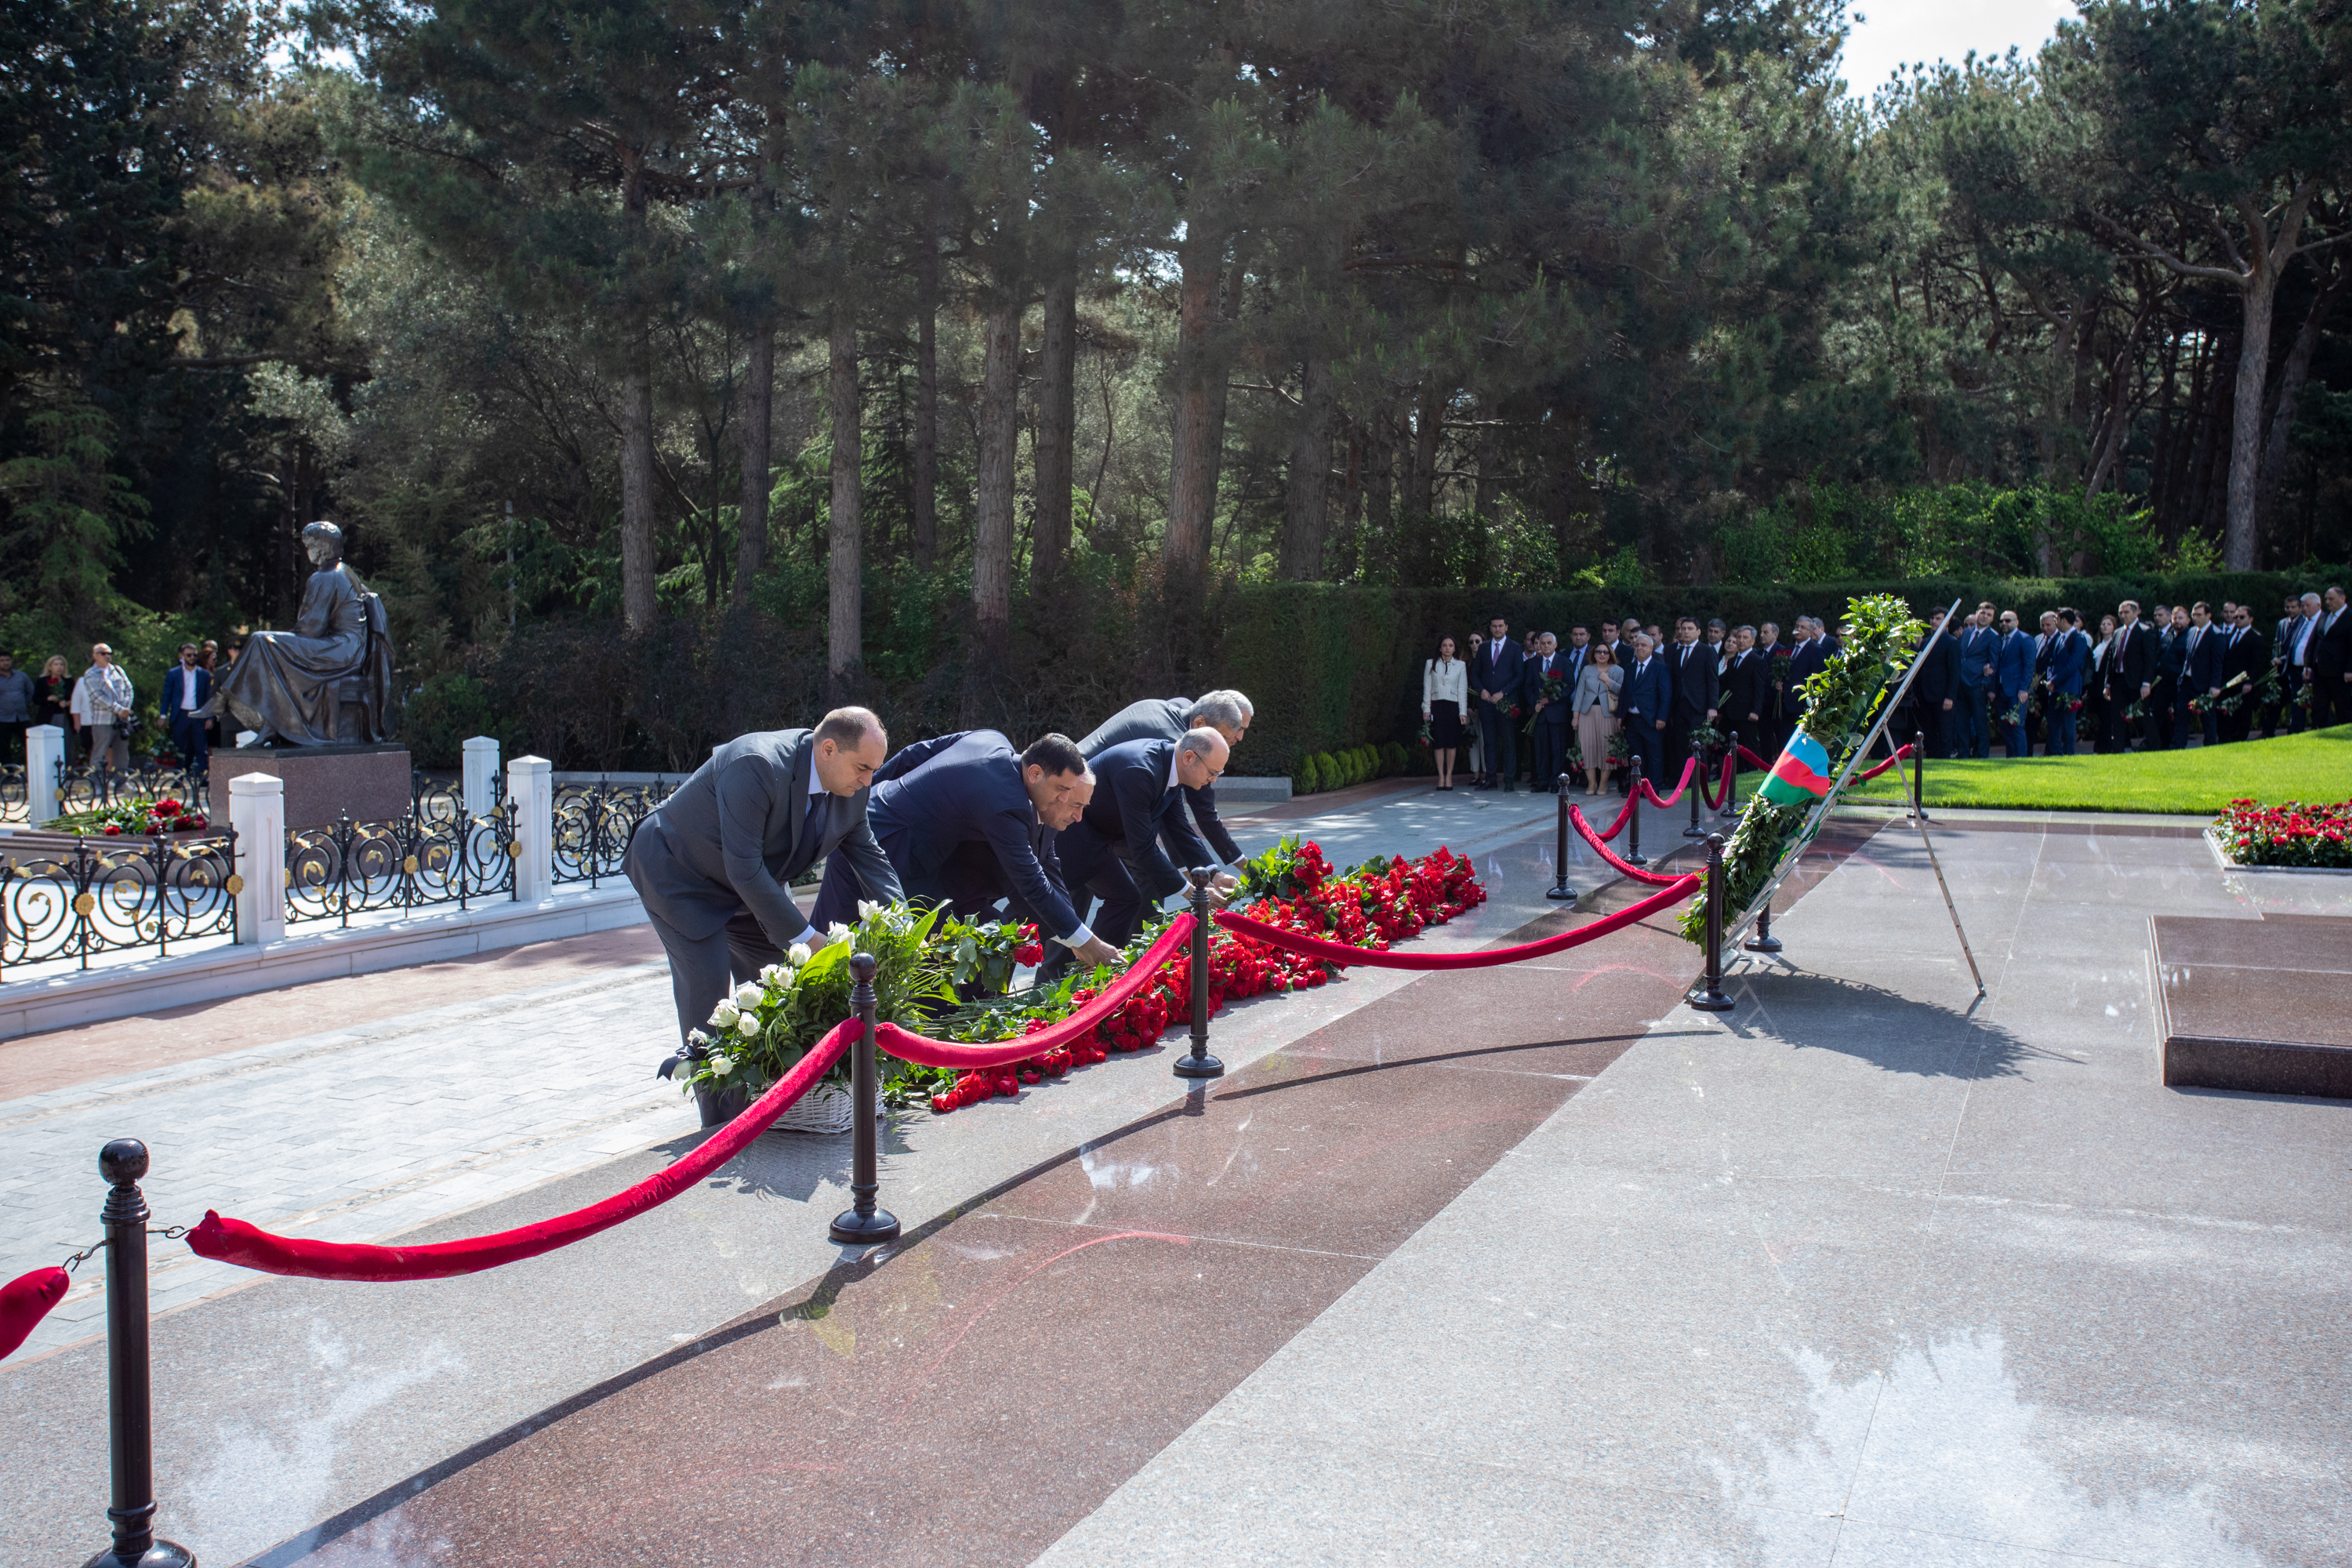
2182 675
1078 837
1623 701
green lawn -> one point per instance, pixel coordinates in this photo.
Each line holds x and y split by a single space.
2316 767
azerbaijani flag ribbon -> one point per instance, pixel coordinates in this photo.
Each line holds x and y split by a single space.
1801 773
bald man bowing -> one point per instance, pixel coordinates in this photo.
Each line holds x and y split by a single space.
714 862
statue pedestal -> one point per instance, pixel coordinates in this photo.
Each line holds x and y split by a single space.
364 782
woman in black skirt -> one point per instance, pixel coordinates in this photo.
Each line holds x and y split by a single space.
1445 683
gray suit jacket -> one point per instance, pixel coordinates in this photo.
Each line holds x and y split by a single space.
730 839
1163 719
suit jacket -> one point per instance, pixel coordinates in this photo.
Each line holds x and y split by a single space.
938 795
1805 662
1694 676
733 838
2331 646
1574 659
1498 668
1978 646
2248 656
2171 655
2069 659
172 680
1531 688
2133 664
1163 719
1746 688
2013 666
2200 665
1940 672
1647 692
1132 809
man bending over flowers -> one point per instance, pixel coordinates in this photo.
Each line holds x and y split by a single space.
714 861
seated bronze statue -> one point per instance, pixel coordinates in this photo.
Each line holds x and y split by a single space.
329 681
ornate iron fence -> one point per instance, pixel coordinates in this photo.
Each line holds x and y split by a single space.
82 787
592 825
104 894
352 867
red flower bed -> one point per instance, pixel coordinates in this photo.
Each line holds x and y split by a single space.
2290 834
1382 901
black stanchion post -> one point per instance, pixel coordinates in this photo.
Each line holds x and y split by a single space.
1763 940
128 1390
1919 775
1198 1062
1711 998
1633 848
1697 788
1731 782
1559 890
864 1224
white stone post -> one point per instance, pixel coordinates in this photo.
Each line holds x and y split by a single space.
44 759
530 782
482 775
256 809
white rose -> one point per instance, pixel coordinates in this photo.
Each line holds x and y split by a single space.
799 954
775 974
748 1024
721 1065
723 1015
865 911
697 1037
748 995
838 933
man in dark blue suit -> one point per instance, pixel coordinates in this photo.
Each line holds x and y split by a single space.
1113 851
1495 676
2012 684
1936 689
1978 650
1164 719
2201 678
2246 652
188 686
1643 705
1805 662
1691 670
2069 662
968 821
1551 716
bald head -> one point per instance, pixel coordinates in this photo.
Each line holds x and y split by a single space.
1200 756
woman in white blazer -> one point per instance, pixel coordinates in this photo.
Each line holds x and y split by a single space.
1444 686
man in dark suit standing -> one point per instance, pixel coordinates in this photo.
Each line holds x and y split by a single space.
1551 717
1691 667
2279 716
188 686
1978 650
1164 719
967 821
2012 684
714 861
2329 653
1935 690
1773 688
2131 672
1746 690
2070 657
2200 677
1494 675
1113 851
2167 698
2245 652
1805 662
1643 703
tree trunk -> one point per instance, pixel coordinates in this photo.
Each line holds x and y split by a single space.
1000 437
2292 376
638 606
1200 409
925 505
758 408
1305 510
1421 498
1057 422
2239 541
844 577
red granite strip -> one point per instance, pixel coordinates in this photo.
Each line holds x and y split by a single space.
972 1393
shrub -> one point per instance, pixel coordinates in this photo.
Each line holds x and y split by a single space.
1394 759
442 714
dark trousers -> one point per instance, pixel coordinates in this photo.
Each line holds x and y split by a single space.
1501 734
1647 742
1970 738
703 969
2331 699
2016 738
1551 749
188 735
1094 867
2062 729
1680 722
2115 730
2235 726
2158 727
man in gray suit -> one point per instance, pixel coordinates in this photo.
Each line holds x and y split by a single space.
714 862
1166 719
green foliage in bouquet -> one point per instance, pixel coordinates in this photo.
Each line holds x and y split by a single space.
1876 644
765 1025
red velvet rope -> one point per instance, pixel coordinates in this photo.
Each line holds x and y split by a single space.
233 1241
1624 815
1339 952
907 1046
1864 776
25 1300
1717 801
1690 769
1624 868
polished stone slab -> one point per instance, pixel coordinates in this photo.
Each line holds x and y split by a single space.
2257 1006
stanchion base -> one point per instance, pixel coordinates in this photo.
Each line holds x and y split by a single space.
1713 1002
1199 1067
1634 859
1762 944
853 1229
1695 832
1564 895
162 1554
